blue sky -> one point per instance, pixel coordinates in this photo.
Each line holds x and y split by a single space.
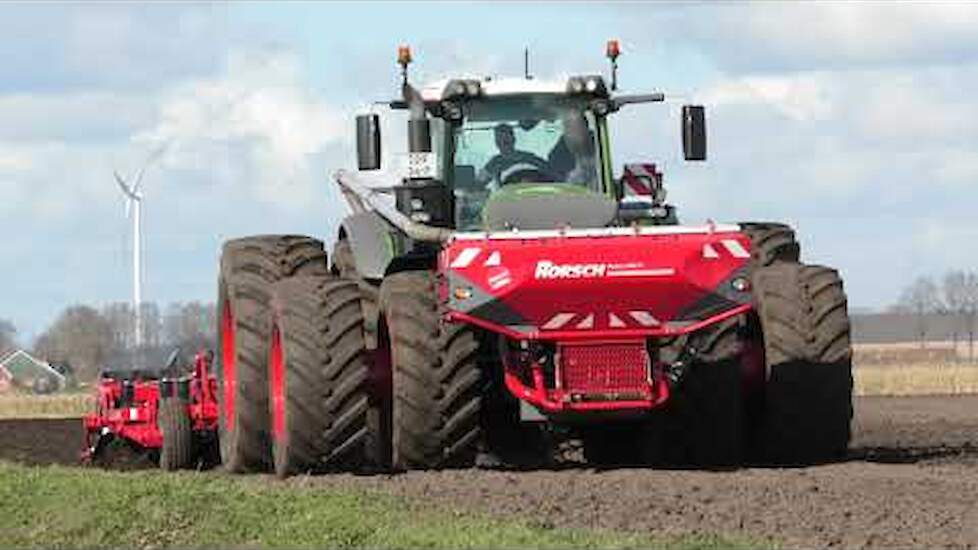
856 122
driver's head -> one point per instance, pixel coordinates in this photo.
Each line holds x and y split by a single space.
505 139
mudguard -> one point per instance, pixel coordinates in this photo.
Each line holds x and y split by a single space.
372 241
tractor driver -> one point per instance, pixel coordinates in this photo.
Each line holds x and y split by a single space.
572 158
510 161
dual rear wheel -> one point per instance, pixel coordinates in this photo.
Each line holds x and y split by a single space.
293 373
297 390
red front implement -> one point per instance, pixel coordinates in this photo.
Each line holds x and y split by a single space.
582 309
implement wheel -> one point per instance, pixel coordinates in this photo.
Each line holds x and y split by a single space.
177 452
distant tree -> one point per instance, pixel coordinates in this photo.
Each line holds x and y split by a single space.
960 289
81 337
921 298
189 326
8 336
152 325
118 316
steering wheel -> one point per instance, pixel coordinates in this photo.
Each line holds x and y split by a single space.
525 172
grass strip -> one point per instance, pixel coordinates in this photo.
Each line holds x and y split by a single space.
59 507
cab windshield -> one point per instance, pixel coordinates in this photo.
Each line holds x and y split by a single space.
538 139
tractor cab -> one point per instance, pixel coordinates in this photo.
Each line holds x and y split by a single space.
521 154
507 149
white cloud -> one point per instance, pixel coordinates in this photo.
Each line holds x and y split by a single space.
799 97
767 36
55 47
259 114
13 160
72 115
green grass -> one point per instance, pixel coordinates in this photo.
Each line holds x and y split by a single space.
57 507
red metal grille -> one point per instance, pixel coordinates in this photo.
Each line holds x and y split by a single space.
604 367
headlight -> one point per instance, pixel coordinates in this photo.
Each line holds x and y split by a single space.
590 84
462 89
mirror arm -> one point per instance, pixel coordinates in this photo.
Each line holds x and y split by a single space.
620 101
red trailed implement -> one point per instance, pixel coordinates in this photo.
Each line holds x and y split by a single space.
172 416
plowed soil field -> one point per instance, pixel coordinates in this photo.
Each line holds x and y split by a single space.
911 480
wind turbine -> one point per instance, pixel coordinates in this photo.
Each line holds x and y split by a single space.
134 207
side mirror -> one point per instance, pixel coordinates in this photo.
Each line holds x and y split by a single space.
694 132
368 142
419 135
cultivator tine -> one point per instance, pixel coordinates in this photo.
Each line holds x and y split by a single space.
94 451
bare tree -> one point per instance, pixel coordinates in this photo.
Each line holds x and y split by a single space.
119 317
921 298
960 291
80 337
152 325
8 336
190 326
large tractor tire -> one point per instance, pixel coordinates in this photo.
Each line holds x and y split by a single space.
437 382
174 423
704 424
345 266
771 243
618 444
808 358
249 268
318 375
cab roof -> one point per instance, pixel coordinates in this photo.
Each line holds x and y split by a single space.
495 87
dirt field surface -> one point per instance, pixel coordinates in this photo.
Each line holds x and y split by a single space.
911 481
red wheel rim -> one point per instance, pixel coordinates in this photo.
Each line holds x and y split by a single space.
276 381
228 367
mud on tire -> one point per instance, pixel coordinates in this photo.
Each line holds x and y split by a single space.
437 382
345 266
771 243
249 268
177 451
808 395
318 375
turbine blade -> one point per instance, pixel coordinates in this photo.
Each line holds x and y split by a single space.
153 157
125 188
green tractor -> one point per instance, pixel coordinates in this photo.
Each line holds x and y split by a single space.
506 285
